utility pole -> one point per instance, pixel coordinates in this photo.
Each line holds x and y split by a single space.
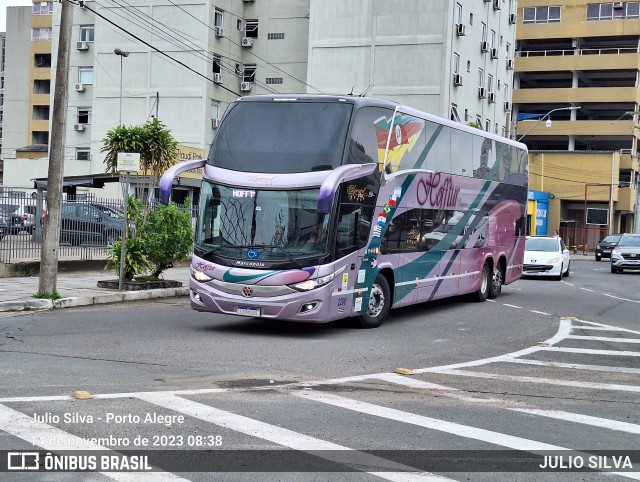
51 240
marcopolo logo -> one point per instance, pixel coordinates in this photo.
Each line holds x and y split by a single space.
23 461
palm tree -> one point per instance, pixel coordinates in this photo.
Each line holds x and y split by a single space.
157 148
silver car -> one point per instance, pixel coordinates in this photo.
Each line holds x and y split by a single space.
626 255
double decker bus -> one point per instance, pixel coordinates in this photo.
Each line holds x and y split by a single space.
315 208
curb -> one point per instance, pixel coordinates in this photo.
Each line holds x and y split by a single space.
37 304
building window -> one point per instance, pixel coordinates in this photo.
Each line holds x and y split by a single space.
42 86
457 14
42 60
466 115
42 8
275 36
40 112
251 28
480 78
483 32
215 109
541 14
84 115
217 64
218 19
468 65
454 113
607 11
455 67
85 75
83 154
492 40
40 137
86 33
249 73
487 125
274 80
489 83
42 33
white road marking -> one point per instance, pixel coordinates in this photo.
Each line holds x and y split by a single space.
602 325
410 382
540 312
587 351
26 428
567 283
604 338
597 328
466 431
622 299
577 366
539 380
288 438
582 419
512 306
587 289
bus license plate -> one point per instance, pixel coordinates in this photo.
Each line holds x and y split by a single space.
248 311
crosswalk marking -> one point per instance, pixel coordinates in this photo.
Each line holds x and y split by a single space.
539 380
582 419
288 438
41 434
577 366
588 351
604 338
496 438
602 325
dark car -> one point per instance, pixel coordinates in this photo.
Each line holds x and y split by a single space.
604 247
83 223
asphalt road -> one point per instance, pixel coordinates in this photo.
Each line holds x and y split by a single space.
548 366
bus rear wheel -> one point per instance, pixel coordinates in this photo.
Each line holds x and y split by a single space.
495 287
483 292
379 304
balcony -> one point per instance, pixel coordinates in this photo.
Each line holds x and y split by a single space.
576 96
626 199
586 59
578 128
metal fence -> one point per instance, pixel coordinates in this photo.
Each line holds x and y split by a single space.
89 225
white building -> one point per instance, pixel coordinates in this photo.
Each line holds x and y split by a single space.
186 62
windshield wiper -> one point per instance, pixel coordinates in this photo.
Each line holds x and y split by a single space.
209 252
275 246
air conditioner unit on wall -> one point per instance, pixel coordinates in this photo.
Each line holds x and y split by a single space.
247 42
215 123
484 46
507 106
491 96
509 64
82 45
494 53
618 5
218 31
482 92
460 30
217 78
246 86
78 127
457 79
512 18
79 87
496 4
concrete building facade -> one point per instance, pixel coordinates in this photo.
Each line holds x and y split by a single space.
187 60
580 59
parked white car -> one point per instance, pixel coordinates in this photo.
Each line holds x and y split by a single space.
546 256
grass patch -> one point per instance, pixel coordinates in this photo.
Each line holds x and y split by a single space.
47 296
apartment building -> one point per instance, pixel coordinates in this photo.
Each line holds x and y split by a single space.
185 61
577 62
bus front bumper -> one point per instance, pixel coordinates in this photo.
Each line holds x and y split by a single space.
314 306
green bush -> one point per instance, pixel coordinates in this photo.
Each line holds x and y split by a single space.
135 262
167 236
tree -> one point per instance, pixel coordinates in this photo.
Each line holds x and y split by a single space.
157 148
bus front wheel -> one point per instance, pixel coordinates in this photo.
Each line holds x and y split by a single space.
483 292
379 303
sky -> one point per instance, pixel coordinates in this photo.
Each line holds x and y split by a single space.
3 10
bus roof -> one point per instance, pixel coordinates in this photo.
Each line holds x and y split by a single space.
358 102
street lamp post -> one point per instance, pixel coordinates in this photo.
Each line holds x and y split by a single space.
121 54
125 231
547 116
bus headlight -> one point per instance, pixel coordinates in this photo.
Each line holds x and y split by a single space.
314 283
200 276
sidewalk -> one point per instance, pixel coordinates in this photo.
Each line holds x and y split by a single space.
80 288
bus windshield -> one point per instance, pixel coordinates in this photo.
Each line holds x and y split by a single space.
281 137
261 225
